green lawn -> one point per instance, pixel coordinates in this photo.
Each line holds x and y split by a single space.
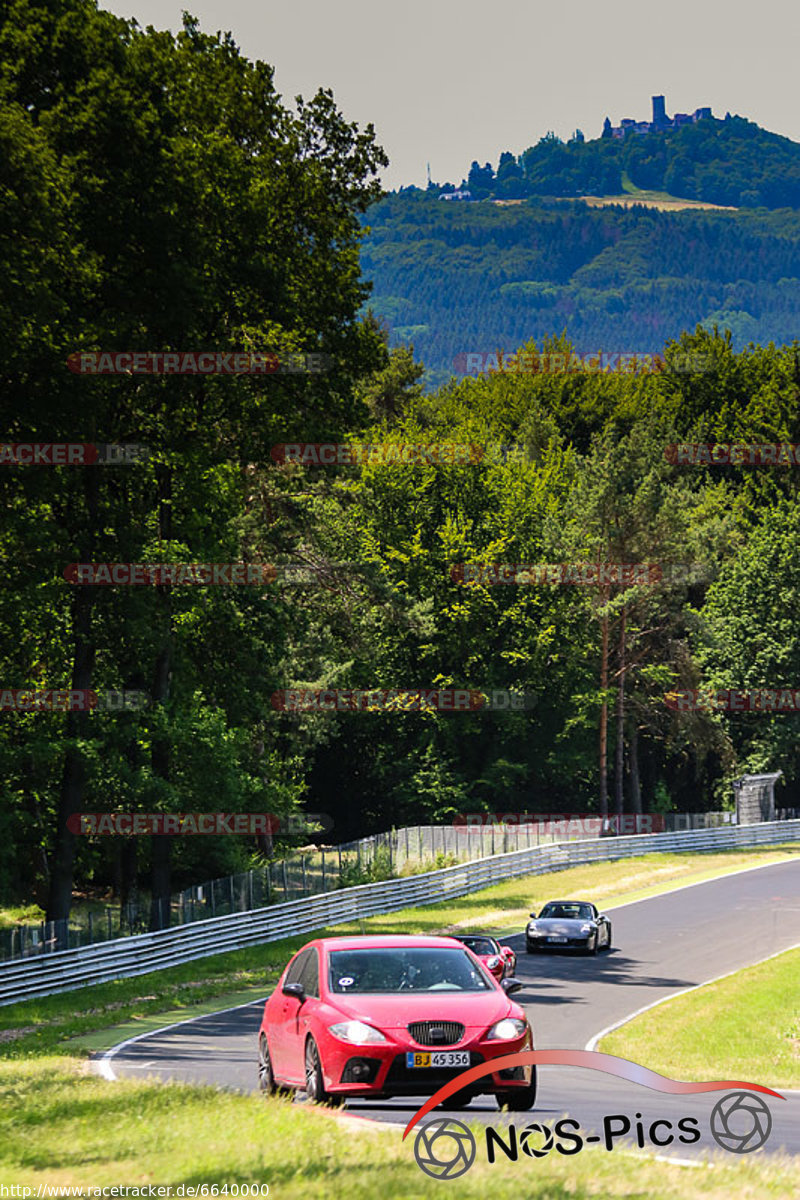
60 1126
744 1027
25 914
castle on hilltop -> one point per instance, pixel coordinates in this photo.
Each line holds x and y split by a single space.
659 122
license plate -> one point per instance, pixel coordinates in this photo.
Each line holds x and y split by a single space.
557 939
437 1058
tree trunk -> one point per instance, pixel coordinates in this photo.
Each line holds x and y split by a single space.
76 725
619 780
161 843
128 855
160 874
604 725
636 783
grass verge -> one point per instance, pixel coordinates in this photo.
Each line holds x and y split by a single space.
64 1128
747 1025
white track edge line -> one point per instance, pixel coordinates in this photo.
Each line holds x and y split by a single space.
592 1043
102 1066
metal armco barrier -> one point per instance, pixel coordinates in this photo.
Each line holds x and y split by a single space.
67 970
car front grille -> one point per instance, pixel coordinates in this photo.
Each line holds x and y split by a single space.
436 1033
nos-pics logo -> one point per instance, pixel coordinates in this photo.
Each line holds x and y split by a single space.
444 1148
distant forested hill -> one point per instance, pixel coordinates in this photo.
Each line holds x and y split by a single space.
458 277
731 162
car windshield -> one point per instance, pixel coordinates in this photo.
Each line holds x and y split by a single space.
401 969
570 912
479 945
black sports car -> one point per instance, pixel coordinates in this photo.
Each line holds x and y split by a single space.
568 925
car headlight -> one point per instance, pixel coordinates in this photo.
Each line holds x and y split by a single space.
507 1029
534 931
356 1031
587 928
493 962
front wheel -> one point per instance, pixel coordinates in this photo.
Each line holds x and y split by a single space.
530 948
608 939
266 1076
315 1080
518 1099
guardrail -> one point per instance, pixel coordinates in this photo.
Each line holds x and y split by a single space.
411 849
68 970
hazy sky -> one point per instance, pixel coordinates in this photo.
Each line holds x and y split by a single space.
449 81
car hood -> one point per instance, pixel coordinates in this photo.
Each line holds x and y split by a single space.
396 1011
561 925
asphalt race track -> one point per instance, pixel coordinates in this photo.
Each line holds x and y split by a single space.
661 946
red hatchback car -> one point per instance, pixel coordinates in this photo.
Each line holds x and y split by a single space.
500 960
392 1016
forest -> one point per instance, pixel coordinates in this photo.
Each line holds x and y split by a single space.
453 278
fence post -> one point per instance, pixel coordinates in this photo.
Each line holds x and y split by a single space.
91 930
324 885
250 886
285 882
305 881
213 901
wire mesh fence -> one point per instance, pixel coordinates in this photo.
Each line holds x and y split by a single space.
316 870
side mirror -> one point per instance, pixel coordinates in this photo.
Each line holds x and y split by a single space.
533 914
294 989
512 985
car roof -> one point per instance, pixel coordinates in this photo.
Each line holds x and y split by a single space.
459 937
566 902
386 942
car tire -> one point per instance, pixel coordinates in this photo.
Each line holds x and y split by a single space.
266 1075
529 948
608 942
459 1100
315 1080
518 1099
